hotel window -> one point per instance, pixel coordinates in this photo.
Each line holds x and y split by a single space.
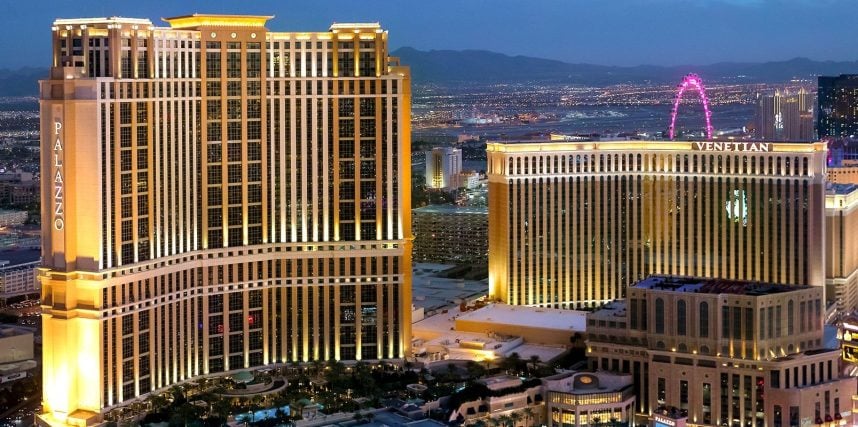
659 316
704 319
661 391
681 324
233 64
212 64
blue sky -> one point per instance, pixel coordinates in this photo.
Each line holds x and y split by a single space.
610 32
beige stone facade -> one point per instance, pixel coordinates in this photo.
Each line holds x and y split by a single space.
841 245
724 351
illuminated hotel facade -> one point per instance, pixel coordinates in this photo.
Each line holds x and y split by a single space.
218 197
572 224
724 352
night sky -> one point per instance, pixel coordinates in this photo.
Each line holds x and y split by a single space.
609 32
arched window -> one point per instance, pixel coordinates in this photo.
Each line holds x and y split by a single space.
704 349
659 316
681 325
704 319
683 348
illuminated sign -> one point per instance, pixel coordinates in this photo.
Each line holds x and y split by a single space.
664 422
732 146
59 185
737 207
849 352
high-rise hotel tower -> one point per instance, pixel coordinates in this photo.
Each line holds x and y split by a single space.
216 197
572 224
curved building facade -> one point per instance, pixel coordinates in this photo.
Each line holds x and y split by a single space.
572 224
217 197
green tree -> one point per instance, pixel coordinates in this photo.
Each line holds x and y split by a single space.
528 415
516 417
475 370
534 363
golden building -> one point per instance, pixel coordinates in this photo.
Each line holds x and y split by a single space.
841 245
218 197
724 352
572 224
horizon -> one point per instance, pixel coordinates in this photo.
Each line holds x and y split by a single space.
625 34
795 58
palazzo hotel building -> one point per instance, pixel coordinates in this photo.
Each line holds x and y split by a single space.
573 224
217 197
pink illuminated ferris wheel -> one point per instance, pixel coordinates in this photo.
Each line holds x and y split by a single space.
694 81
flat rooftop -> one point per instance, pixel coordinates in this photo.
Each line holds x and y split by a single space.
7 331
840 189
714 286
433 293
531 317
585 382
21 256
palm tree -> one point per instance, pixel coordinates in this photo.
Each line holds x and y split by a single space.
534 361
516 417
317 366
528 415
512 362
475 370
505 420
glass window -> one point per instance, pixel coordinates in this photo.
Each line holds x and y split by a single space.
659 316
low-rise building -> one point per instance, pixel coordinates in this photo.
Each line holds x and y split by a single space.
588 398
504 396
8 218
490 333
18 275
728 352
552 326
16 354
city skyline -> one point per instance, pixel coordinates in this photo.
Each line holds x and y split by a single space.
606 33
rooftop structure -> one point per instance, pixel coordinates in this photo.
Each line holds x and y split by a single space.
433 293
712 286
536 324
442 336
587 398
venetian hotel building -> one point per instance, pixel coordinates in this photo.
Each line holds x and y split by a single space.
218 197
573 224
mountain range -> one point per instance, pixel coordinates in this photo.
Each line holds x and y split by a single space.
480 66
449 66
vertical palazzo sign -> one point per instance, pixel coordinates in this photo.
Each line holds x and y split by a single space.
59 185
